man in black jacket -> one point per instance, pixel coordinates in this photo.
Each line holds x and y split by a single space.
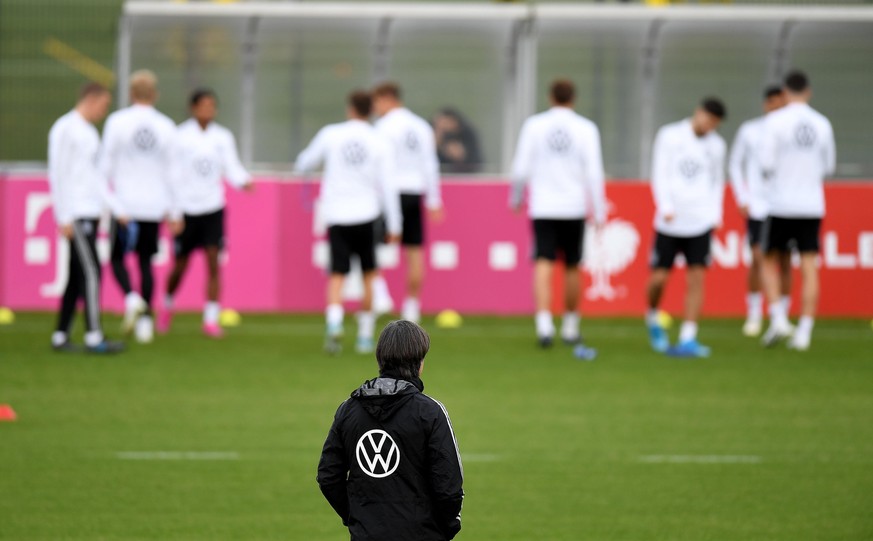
390 467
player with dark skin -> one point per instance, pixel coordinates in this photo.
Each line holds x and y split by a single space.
204 112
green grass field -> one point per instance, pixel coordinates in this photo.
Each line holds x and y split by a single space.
748 445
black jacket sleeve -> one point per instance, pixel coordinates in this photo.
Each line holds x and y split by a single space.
333 470
447 474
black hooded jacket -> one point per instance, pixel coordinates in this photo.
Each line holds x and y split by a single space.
390 466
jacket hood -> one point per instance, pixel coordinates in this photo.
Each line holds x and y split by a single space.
382 397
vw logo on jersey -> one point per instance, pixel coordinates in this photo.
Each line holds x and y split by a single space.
559 141
377 454
411 141
804 135
145 139
689 168
354 153
203 166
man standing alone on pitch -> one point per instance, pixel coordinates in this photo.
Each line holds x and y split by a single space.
416 177
688 187
390 466
797 152
355 189
747 184
559 154
203 155
136 158
79 195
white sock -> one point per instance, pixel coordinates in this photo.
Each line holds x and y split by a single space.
211 312
688 331
168 302
366 324
652 316
381 294
804 326
411 309
93 338
58 338
778 315
754 307
334 314
786 303
545 325
132 300
570 325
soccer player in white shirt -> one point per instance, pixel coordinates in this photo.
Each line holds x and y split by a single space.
559 154
203 155
79 196
688 186
135 157
747 185
797 153
356 188
417 179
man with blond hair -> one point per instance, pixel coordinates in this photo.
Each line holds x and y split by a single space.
135 157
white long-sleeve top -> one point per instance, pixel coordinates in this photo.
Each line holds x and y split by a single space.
744 165
559 154
136 159
79 190
797 153
687 180
358 170
201 159
416 166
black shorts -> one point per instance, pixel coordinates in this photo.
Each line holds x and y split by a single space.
566 236
695 249
139 237
346 240
753 228
785 234
201 231
413 220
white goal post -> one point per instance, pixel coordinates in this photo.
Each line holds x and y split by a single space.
520 78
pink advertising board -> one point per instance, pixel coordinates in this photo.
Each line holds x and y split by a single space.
478 256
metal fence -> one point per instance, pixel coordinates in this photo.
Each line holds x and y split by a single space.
282 69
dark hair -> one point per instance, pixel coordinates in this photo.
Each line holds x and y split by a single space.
92 89
200 94
361 102
772 90
796 81
401 348
715 107
563 91
388 88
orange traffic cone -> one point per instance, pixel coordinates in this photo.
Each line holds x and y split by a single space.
7 413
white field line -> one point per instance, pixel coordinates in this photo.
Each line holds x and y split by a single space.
700 459
177 455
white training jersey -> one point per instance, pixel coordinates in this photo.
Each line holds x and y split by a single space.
747 178
358 170
687 180
200 160
559 154
416 167
797 152
136 159
79 190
